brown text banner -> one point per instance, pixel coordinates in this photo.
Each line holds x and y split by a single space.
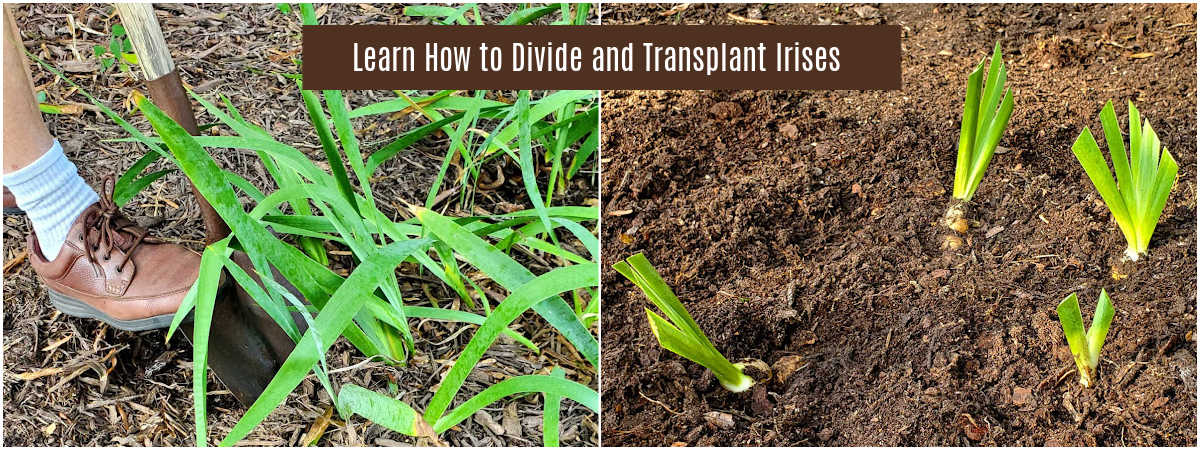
601 57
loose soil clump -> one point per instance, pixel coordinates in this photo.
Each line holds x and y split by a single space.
803 229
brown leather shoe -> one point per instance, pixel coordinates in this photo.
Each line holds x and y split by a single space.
110 269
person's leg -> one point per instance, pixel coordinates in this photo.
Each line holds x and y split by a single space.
46 185
93 261
10 202
25 134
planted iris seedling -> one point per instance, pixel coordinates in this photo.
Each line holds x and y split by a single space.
1085 344
985 116
1144 176
679 333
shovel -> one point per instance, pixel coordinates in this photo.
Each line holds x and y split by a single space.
247 347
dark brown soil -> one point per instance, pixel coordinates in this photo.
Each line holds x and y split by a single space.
805 224
106 387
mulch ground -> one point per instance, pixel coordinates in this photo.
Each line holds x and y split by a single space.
90 385
802 228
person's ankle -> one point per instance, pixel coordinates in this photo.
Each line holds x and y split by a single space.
53 195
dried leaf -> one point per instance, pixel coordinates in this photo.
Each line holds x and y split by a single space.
44 372
510 421
56 344
488 422
737 18
676 9
866 12
75 66
64 110
993 231
317 429
15 261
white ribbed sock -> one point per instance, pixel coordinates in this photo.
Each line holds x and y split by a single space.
52 194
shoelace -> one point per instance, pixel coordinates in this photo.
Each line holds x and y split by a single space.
109 224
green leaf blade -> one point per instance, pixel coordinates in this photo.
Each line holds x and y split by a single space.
207 284
511 275
1116 151
550 412
1096 334
1148 158
1072 324
983 124
1168 169
392 414
525 383
1135 145
451 315
966 137
679 333
1087 151
336 164
551 284
526 16
987 147
428 11
528 166
993 91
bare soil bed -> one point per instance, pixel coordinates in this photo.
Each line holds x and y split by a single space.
90 385
806 223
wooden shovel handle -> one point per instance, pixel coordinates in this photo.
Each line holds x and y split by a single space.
166 90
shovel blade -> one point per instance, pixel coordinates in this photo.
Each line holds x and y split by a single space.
246 347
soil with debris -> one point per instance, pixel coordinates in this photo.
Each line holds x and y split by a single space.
73 382
803 229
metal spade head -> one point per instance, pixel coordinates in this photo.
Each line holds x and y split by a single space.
245 346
